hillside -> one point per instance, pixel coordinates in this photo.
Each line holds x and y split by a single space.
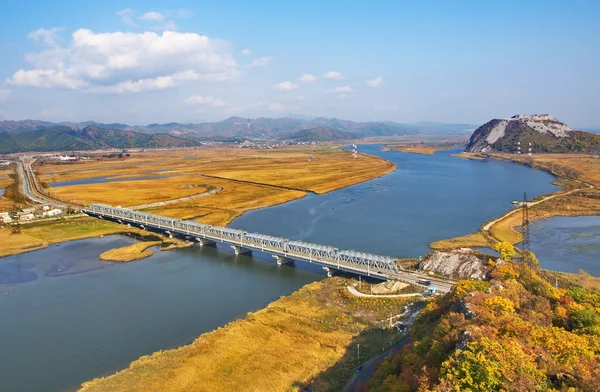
544 132
258 128
515 331
62 138
320 134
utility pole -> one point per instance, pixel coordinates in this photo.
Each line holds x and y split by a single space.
358 346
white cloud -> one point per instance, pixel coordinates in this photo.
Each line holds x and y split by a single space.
308 78
152 15
378 81
260 62
285 86
246 52
333 75
4 94
125 15
46 36
183 13
170 25
200 100
342 90
129 62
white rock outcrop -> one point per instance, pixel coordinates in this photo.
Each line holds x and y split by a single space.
462 263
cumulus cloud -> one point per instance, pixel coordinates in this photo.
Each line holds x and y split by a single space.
246 52
200 100
4 94
126 15
153 16
378 81
285 86
48 37
342 90
333 75
308 78
129 62
260 62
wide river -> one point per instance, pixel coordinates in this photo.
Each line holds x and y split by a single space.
66 317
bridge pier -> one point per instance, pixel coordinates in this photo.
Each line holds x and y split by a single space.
169 233
205 242
330 271
239 250
283 260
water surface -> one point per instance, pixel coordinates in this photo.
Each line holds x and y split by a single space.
67 317
568 243
427 198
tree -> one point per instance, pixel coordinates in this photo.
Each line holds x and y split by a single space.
506 250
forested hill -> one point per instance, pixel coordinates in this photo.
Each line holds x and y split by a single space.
62 138
321 134
515 331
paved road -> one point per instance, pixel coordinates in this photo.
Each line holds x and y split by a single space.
368 368
26 177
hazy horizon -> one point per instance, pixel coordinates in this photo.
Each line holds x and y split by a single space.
382 61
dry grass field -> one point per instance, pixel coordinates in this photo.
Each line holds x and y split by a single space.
308 338
136 251
5 180
249 179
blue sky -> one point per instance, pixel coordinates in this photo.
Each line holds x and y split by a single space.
140 62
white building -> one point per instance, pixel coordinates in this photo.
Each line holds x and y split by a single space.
5 217
26 217
54 212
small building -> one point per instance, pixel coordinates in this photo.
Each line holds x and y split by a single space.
45 208
54 212
5 217
26 211
26 217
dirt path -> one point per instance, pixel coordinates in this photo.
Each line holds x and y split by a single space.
534 203
357 293
213 191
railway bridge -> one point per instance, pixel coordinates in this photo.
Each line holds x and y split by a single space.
282 249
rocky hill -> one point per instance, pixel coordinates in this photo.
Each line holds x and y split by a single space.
320 134
63 138
543 131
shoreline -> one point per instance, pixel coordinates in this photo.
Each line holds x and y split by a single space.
487 234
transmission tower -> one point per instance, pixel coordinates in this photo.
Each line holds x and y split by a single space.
526 244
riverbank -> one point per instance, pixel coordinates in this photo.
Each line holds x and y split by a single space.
419 148
38 235
578 175
307 339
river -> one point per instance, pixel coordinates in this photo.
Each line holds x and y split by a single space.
67 317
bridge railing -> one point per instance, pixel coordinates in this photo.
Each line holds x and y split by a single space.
309 251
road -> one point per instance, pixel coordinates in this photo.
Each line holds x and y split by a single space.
368 368
30 186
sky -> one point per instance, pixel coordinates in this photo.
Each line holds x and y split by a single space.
141 62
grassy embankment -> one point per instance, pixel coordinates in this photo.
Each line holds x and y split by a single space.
575 171
249 179
306 339
419 148
136 251
39 235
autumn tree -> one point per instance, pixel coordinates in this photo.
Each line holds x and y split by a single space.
506 250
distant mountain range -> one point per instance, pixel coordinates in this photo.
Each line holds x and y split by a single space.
540 132
321 134
62 138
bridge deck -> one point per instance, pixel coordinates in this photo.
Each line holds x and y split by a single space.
366 264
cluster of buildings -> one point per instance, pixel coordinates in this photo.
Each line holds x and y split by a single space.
29 214
270 145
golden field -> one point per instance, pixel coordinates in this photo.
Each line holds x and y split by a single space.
136 251
306 339
5 180
248 179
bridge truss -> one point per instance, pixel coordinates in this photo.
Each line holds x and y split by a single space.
328 256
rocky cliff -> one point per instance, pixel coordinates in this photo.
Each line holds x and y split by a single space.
538 132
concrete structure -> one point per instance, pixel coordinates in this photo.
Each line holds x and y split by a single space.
26 217
53 212
330 258
5 217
